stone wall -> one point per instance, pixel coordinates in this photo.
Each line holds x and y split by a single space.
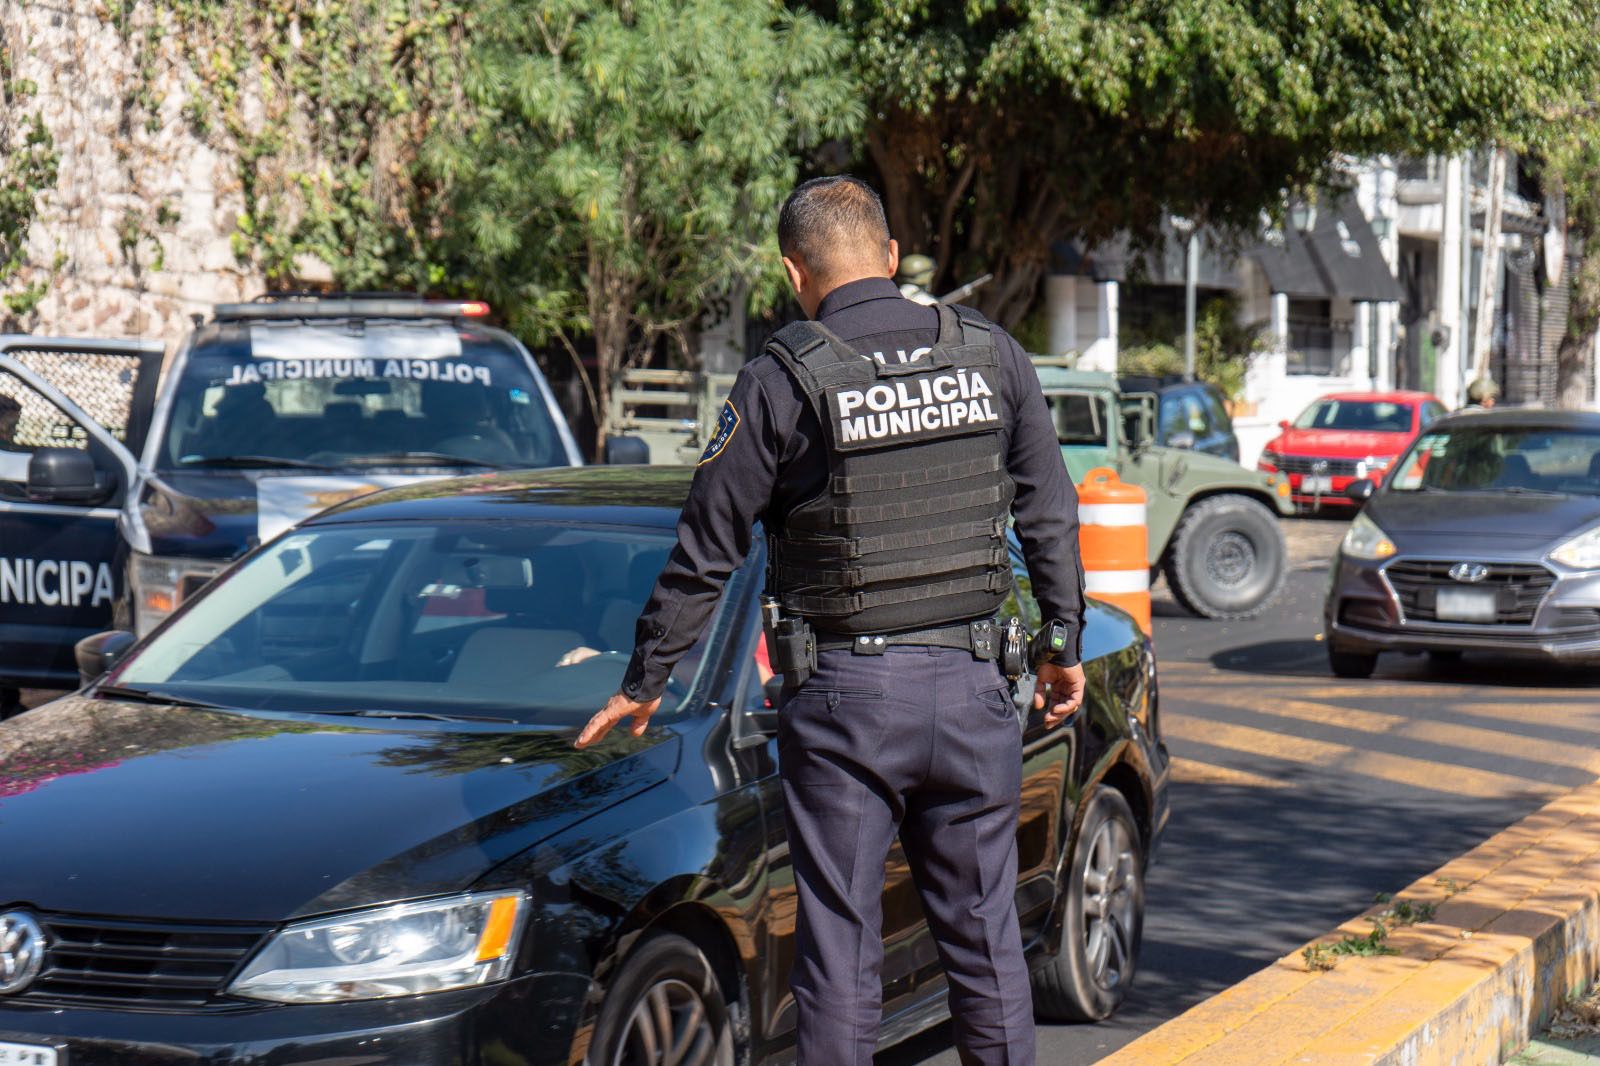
137 231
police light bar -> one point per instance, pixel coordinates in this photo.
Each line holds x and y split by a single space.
349 307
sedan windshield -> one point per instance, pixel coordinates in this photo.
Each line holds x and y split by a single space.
1474 459
1370 416
302 396
522 621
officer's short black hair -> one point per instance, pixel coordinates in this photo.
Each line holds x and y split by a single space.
829 222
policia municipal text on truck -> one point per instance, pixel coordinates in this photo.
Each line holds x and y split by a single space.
117 500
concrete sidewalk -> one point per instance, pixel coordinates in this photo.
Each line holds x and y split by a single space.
1483 950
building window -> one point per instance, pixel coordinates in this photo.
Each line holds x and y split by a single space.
1310 337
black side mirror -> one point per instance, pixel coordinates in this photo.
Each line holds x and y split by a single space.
1184 439
65 475
626 451
96 655
1360 490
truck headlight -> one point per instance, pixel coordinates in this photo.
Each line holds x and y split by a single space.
1373 466
1364 540
158 584
394 951
1581 552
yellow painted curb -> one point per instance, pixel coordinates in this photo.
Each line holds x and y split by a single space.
1516 930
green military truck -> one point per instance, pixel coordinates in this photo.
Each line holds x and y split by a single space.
1213 524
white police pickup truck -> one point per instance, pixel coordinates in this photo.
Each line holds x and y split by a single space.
117 500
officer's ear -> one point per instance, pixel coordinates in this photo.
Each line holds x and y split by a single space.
894 258
797 274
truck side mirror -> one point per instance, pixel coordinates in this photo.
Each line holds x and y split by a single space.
627 451
65 475
96 655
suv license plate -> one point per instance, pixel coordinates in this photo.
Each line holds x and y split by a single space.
1316 484
1463 605
27 1055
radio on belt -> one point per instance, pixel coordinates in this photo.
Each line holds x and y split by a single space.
1020 655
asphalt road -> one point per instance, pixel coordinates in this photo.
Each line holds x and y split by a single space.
1299 796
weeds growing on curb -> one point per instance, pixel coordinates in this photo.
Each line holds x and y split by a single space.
1398 914
1326 956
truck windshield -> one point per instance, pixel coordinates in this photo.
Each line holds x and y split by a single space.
526 621
1080 417
303 395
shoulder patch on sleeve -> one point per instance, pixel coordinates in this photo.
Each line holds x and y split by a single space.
727 423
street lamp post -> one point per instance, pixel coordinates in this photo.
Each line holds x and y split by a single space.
1186 229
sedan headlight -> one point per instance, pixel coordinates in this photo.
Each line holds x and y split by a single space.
396 951
1364 540
1581 552
158 584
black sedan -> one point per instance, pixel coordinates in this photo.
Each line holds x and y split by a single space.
330 811
1484 537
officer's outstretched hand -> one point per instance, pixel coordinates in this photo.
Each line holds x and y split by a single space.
619 707
1065 685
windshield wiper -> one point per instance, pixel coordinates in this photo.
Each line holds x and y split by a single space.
147 695
251 462
422 459
425 715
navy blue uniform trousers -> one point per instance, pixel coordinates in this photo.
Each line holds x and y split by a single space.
923 741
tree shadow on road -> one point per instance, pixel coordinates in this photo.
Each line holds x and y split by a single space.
1247 875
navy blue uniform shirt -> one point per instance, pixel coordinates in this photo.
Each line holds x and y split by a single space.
771 456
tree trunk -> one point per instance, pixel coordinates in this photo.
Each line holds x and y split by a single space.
1575 356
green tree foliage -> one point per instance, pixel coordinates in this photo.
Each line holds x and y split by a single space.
1222 347
1002 125
621 164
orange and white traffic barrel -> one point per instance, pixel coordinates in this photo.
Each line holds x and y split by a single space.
1114 539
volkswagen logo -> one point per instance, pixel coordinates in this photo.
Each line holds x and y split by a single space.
1471 573
21 951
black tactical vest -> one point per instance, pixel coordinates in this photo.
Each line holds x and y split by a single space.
909 531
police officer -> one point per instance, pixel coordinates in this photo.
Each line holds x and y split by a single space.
882 444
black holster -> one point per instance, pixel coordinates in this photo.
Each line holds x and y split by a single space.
791 646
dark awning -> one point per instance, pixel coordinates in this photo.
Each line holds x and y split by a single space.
1347 251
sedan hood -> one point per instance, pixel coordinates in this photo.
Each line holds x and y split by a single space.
1338 443
156 811
1496 516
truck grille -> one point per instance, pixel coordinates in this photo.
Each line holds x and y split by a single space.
151 965
1307 464
1519 588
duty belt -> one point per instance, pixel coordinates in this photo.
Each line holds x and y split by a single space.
981 638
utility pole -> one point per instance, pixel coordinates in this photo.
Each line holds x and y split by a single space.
1187 229
1446 380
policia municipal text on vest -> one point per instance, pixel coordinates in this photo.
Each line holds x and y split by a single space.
905 543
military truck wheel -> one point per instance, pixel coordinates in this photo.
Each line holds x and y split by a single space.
1227 557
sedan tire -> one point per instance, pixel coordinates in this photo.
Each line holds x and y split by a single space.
1227 558
665 1007
1089 977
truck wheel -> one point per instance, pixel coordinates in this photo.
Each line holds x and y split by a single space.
1227 558
1090 975
1357 664
664 1006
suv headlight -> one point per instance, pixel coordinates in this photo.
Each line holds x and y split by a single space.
1364 540
159 584
1269 458
1581 552
395 951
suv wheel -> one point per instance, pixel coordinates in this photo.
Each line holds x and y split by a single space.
1358 664
664 1008
1227 557
1090 975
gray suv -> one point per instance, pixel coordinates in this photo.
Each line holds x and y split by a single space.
1484 537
